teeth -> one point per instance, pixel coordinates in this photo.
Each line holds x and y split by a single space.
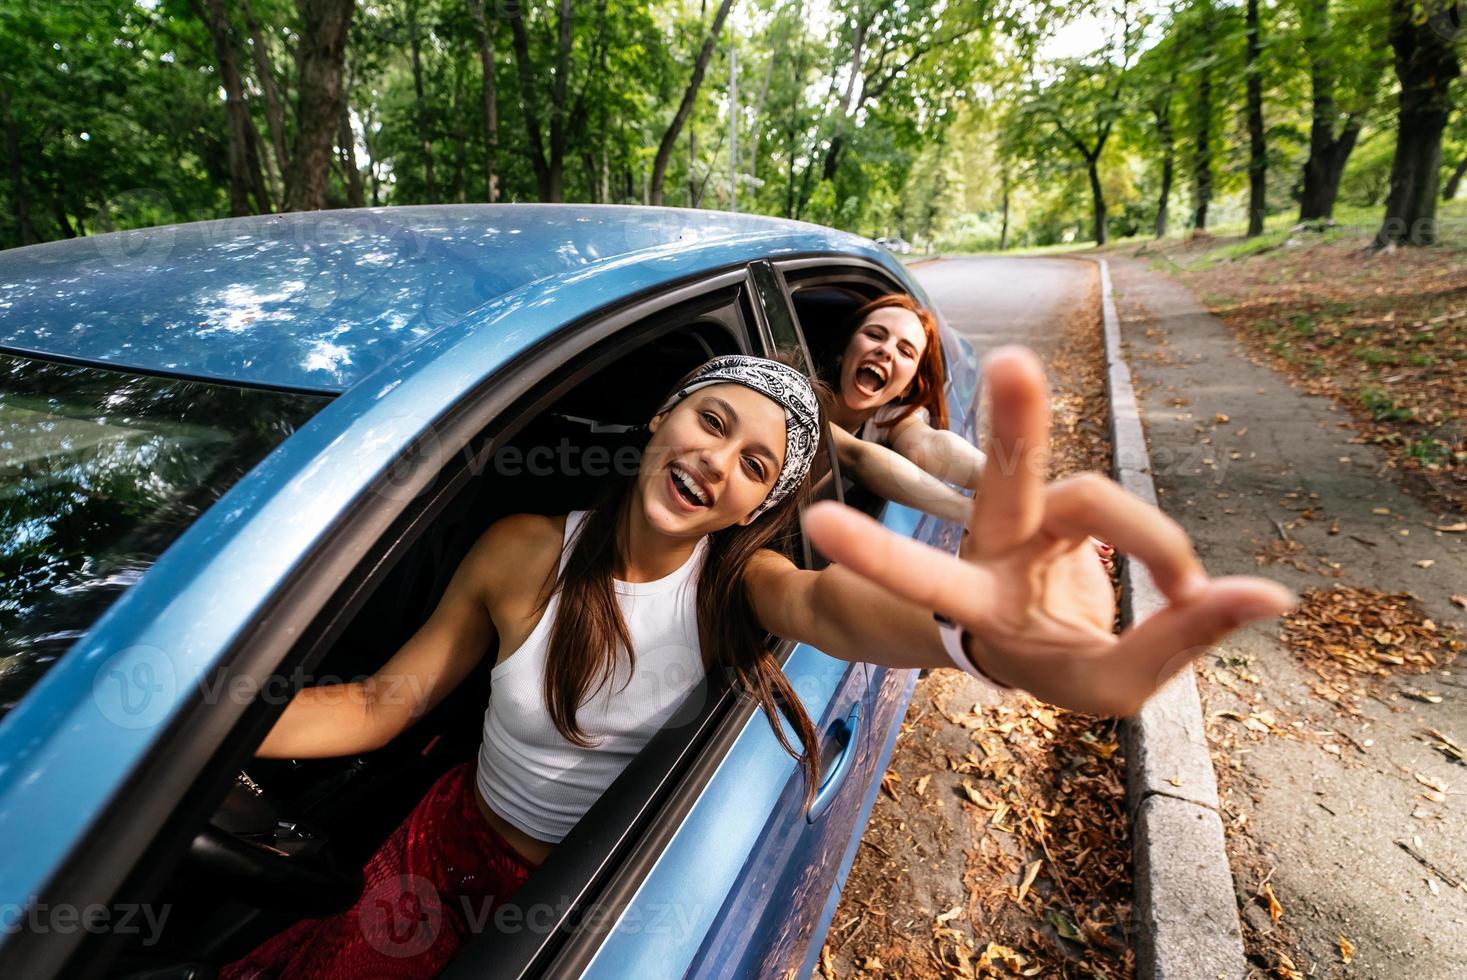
879 372
691 484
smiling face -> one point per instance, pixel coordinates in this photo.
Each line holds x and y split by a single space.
881 359
712 459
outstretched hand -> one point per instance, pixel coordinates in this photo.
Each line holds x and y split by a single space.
1026 585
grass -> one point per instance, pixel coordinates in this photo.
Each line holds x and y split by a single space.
1384 408
1227 243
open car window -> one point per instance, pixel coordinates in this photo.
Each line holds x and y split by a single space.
547 453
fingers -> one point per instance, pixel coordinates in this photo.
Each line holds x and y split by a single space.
904 567
1155 649
1010 501
1090 504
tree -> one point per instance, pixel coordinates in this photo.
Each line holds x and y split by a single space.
1082 105
685 106
1206 38
243 177
1346 53
1423 38
321 56
490 99
1257 147
1155 75
567 112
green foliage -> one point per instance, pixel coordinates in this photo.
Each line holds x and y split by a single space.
953 123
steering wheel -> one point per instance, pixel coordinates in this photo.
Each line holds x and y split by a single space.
252 851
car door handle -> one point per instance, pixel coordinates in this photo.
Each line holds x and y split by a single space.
845 735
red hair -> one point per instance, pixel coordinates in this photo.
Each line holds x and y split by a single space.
926 389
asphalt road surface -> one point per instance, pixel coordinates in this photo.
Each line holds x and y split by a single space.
995 301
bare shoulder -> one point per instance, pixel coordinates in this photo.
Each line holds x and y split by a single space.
768 572
521 549
778 591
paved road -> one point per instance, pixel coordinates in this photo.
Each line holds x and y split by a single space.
994 301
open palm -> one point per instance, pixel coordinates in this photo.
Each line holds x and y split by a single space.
1027 587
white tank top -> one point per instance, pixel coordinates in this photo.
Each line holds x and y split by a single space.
532 776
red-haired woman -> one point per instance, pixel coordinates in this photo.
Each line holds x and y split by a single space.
890 422
605 619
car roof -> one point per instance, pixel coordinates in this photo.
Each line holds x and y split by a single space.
318 300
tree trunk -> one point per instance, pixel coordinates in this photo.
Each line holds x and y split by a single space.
525 72
420 115
1257 149
355 195
692 166
274 105
1202 158
1426 64
1163 114
460 134
563 43
253 166
843 117
321 56
1454 182
491 101
1097 198
1003 231
685 107
1327 151
216 20
757 113
13 159
58 211
1202 151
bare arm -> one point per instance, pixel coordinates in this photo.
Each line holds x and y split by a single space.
343 719
842 614
941 453
897 478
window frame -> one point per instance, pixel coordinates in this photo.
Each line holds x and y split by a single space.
725 722
135 845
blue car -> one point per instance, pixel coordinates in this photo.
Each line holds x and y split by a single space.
243 456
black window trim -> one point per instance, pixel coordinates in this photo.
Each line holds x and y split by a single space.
166 373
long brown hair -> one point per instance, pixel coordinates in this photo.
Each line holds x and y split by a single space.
927 387
589 629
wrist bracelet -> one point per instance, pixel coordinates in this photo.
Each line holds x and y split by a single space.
954 641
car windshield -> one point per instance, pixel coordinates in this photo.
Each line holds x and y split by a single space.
100 471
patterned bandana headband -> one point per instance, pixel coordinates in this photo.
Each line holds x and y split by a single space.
789 389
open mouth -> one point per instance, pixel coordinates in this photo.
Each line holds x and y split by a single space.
871 378
688 488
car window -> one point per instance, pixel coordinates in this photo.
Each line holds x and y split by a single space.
100 470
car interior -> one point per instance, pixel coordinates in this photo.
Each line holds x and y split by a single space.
288 837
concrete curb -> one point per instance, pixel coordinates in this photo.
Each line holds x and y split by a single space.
1186 913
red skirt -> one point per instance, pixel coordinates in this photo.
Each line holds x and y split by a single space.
430 886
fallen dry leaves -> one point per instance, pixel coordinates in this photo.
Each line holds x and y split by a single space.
1351 636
